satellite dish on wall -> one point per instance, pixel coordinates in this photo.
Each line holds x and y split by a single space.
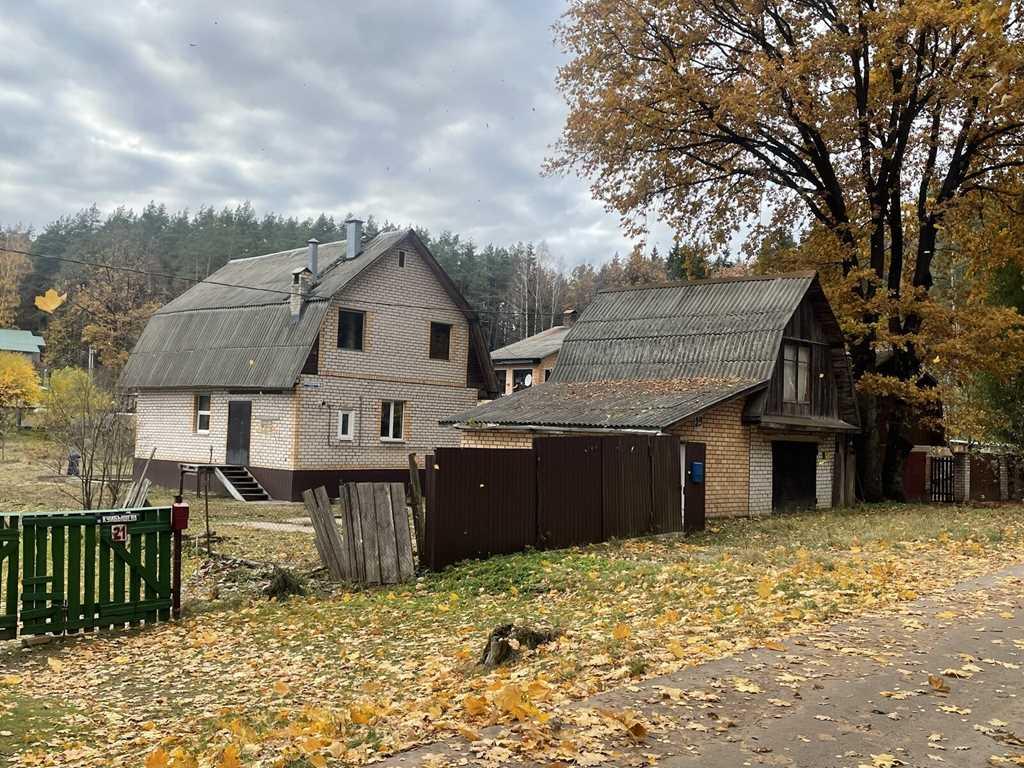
528 380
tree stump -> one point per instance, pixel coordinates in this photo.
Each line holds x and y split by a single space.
504 642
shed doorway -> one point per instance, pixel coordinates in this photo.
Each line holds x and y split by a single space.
239 424
794 475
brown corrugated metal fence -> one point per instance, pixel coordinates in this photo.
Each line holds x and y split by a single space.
565 491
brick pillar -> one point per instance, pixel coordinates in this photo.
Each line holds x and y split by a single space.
961 477
1004 478
760 490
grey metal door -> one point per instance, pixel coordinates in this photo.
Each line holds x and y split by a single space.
239 422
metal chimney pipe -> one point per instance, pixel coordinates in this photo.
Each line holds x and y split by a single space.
353 238
314 245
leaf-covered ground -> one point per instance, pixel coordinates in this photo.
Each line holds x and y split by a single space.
342 677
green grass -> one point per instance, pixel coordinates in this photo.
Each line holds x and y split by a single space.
23 718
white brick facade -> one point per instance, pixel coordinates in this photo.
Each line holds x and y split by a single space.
296 430
166 421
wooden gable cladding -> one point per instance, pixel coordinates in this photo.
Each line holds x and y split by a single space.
807 327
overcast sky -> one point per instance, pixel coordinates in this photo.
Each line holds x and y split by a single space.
438 114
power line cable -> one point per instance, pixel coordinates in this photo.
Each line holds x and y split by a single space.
220 283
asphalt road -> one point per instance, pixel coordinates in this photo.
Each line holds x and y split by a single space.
938 683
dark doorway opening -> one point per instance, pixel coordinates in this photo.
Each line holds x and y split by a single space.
239 423
794 471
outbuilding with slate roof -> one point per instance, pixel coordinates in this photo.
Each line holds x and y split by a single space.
751 373
302 368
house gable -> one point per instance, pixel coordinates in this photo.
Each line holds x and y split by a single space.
811 353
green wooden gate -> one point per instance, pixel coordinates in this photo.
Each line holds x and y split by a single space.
85 570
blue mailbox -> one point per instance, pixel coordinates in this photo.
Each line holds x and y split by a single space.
697 471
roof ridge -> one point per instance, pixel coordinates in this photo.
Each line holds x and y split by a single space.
278 253
797 275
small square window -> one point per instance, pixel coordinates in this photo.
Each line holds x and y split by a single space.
440 340
350 329
391 413
202 409
346 425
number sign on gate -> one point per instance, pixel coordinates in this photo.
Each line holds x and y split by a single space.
119 532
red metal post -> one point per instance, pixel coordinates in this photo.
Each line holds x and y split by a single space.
179 522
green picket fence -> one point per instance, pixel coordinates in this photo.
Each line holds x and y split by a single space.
75 571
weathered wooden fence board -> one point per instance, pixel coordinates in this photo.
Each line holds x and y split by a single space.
403 539
375 545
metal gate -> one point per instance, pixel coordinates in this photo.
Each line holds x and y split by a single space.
86 570
941 478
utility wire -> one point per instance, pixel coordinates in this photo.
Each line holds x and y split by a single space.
195 281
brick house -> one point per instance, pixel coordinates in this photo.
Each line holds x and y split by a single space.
294 369
751 373
531 360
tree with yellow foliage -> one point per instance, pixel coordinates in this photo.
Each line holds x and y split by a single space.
19 389
881 129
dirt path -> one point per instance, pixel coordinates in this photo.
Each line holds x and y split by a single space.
941 682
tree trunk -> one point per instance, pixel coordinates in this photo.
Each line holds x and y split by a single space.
869 450
897 449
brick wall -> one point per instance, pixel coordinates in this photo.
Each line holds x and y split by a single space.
961 476
759 493
394 364
166 420
494 438
824 479
727 466
396 339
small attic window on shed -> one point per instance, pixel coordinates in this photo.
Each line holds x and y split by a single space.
796 373
401 258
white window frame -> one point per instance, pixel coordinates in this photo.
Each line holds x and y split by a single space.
200 413
390 436
350 435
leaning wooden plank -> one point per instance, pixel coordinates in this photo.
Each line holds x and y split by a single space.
309 500
319 515
418 502
354 540
368 526
385 533
403 540
334 538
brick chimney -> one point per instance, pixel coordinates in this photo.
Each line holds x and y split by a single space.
569 316
302 281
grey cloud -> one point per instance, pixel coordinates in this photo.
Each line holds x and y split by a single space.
438 114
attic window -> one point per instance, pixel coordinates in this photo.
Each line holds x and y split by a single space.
401 258
796 373
350 330
440 341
